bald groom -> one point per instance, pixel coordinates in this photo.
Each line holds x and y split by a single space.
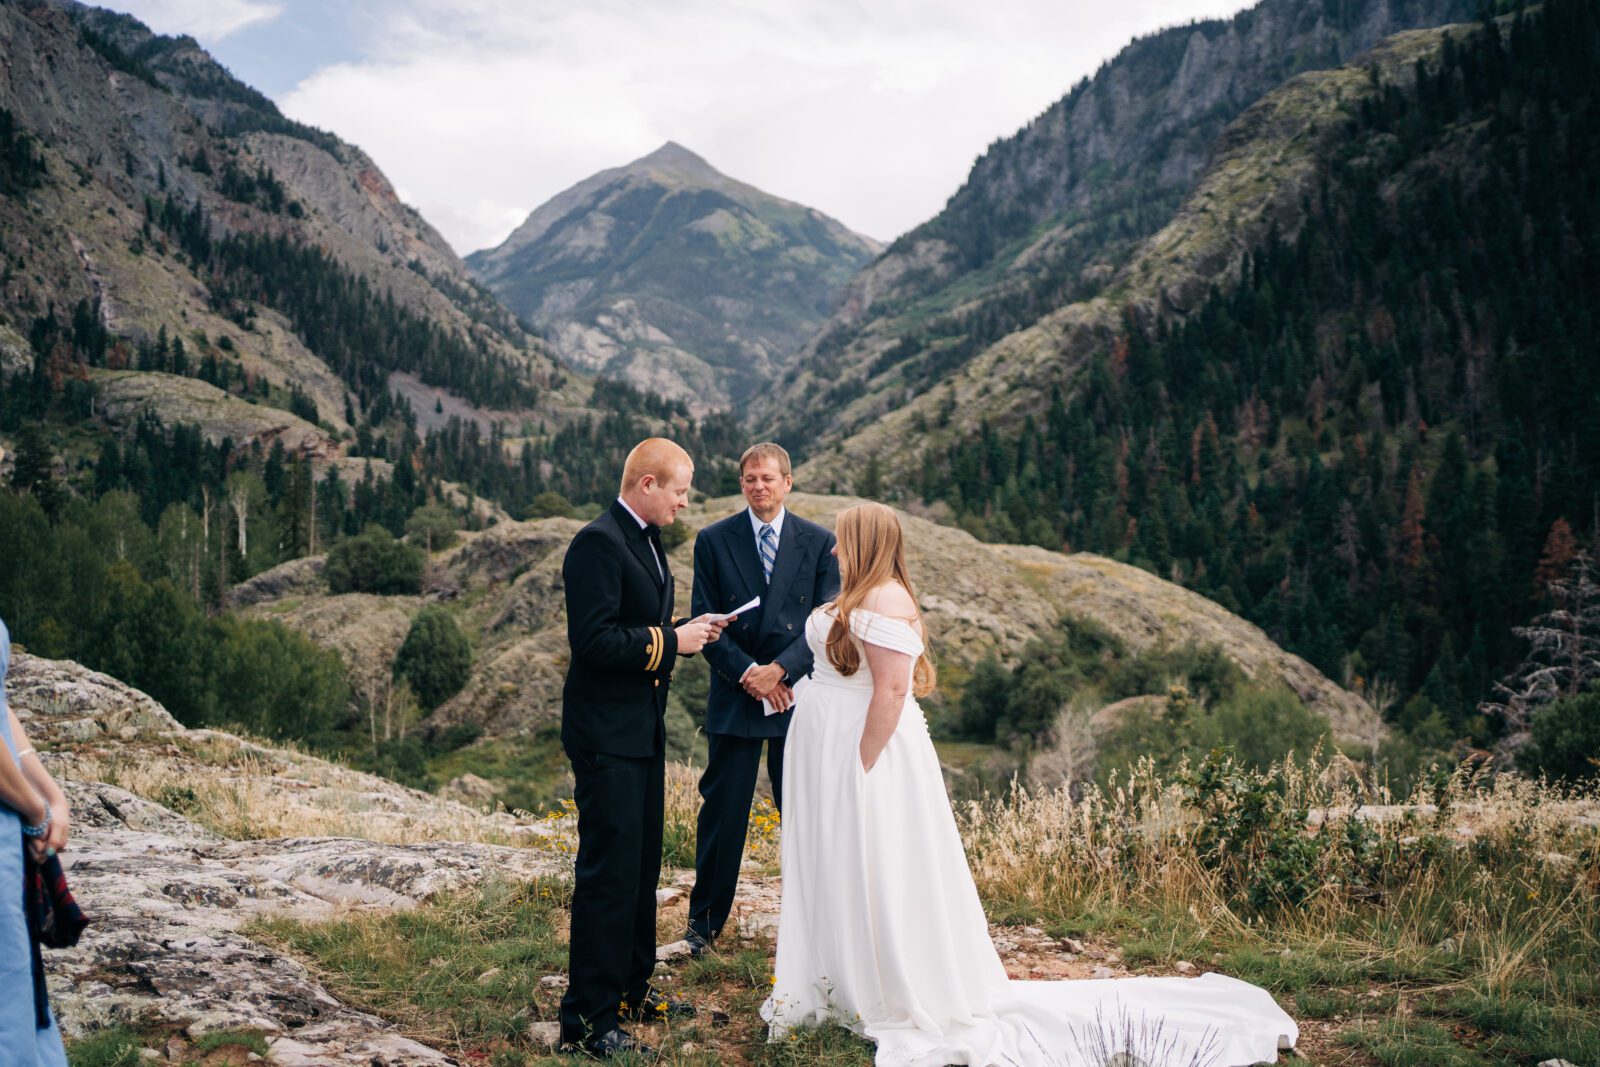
619 592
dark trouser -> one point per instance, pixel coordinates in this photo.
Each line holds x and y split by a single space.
727 786
613 943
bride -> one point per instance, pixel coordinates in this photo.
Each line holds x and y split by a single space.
881 928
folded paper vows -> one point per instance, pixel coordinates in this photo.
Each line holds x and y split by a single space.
740 610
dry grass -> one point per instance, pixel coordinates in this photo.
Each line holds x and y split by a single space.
1461 926
244 790
1474 904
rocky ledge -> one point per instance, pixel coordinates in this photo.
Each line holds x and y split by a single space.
171 898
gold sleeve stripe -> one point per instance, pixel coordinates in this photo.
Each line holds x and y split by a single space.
657 645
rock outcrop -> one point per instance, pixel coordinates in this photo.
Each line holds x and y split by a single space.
980 598
171 898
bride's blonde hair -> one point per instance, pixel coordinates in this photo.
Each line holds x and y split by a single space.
872 553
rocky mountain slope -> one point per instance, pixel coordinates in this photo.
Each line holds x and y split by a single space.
172 204
674 277
979 599
1265 163
1048 215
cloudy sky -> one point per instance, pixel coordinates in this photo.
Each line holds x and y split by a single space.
480 110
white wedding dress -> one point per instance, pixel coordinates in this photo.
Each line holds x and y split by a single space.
882 931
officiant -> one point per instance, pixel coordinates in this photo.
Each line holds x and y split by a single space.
762 551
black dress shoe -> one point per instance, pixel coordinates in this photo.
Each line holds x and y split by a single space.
698 945
656 1006
613 1042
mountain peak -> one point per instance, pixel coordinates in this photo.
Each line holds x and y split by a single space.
673 152
675 277
675 161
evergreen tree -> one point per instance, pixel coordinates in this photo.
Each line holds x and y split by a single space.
435 658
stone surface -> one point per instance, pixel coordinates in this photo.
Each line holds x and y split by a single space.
471 789
169 899
675 950
53 698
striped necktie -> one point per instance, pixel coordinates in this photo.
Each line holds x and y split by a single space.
769 549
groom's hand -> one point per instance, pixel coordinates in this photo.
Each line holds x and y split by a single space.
697 634
760 682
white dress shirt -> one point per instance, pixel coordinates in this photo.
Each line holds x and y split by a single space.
777 536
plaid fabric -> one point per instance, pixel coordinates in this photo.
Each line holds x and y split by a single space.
54 919
61 921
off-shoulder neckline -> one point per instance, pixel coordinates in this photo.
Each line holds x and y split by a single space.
914 625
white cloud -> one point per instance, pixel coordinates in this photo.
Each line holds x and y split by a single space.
205 20
870 111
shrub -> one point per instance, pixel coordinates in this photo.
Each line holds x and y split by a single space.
399 759
1260 727
675 534
1566 739
983 700
548 504
435 658
374 562
276 682
433 526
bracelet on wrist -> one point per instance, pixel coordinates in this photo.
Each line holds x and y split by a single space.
40 830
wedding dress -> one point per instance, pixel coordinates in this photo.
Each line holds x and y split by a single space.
881 929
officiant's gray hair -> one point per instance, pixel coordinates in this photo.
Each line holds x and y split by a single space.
766 450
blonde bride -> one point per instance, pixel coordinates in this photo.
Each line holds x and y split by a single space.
881 927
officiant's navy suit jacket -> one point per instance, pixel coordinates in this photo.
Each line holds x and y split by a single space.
727 573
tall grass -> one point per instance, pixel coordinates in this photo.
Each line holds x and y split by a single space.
1476 899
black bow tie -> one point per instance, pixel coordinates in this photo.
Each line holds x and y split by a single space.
653 533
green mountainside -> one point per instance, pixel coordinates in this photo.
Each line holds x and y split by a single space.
1349 391
170 197
669 275
226 344
1048 215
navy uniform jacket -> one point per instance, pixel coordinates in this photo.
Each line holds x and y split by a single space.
727 573
620 627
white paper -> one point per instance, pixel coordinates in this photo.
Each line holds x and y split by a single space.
756 603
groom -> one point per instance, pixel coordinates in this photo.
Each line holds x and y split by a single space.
788 562
624 641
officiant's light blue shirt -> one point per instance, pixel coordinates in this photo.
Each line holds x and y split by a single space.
776 524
